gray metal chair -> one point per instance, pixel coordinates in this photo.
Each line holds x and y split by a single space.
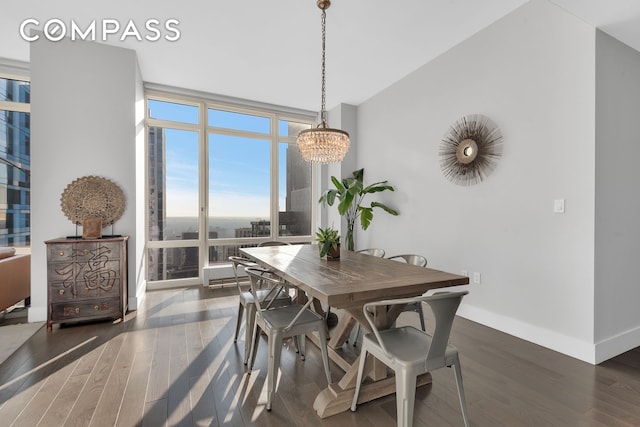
420 261
279 323
411 352
247 304
373 252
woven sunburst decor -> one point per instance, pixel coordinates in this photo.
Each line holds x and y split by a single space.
470 150
93 196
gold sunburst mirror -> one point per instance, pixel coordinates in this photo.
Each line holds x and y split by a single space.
470 150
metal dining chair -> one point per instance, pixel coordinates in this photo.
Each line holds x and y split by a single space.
373 252
277 243
282 322
411 352
247 303
420 261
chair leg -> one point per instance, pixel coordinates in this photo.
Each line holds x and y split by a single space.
248 333
275 348
405 397
301 346
363 359
240 310
463 402
356 334
421 318
325 353
254 345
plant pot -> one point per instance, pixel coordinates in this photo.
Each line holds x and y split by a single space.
334 253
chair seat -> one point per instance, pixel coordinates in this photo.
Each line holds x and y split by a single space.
282 316
408 346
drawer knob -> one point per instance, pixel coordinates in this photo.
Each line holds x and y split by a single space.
96 307
61 253
61 291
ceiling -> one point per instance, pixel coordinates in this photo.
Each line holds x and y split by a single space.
269 51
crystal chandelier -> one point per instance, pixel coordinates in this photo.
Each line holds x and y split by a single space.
323 144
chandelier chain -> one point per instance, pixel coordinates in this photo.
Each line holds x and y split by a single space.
323 112
323 144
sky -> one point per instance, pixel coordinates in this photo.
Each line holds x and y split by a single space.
239 177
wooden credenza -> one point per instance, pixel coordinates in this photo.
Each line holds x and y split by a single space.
86 279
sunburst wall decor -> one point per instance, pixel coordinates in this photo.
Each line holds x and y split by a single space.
470 150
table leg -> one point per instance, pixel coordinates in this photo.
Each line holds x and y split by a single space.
300 298
342 331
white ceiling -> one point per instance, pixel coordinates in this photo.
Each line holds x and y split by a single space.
269 51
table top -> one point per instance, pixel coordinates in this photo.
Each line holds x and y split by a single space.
354 279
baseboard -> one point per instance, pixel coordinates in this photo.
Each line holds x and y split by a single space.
553 340
617 344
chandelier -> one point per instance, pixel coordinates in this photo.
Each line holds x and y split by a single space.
323 144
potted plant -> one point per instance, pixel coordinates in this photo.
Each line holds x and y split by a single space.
329 242
350 193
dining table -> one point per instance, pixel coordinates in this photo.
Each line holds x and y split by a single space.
346 284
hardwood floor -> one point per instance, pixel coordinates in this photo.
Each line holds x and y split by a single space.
173 362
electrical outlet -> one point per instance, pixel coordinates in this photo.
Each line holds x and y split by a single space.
476 278
464 272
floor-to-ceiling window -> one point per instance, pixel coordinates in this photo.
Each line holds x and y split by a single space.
15 161
221 176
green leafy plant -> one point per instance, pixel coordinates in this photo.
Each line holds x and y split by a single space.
328 238
350 193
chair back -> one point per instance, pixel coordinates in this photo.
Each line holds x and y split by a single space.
373 252
418 260
273 243
260 278
237 262
444 306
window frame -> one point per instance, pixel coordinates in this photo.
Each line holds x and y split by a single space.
18 107
204 103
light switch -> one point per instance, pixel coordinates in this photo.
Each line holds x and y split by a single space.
558 206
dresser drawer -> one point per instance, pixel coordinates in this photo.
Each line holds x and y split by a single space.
79 310
90 252
61 292
60 252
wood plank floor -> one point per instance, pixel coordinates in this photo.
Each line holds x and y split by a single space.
174 363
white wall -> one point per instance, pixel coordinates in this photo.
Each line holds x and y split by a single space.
617 209
138 269
533 73
83 123
344 117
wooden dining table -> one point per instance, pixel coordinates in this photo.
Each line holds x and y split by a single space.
347 284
